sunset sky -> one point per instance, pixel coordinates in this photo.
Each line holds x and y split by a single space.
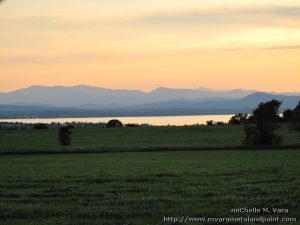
145 44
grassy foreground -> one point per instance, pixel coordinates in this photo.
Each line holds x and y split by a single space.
141 188
132 139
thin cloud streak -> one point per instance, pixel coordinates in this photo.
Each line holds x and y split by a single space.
287 47
52 59
291 47
221 17
256 16
118 56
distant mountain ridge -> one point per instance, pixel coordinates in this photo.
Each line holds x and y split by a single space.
86 101
96 96
87 95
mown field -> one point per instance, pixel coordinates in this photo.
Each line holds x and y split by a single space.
141 188
132 139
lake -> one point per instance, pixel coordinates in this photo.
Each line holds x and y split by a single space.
154 120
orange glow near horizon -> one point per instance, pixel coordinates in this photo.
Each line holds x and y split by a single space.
144 45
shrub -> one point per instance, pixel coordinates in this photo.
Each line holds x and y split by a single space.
114 124
64 136
287 115
210 123
70 126
257 136
238 119
132 125
40 126
296 118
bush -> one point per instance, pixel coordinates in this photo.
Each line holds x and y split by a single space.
40 126
64 136
250 133
238 119
114 124
287 115
210 123
220 123
296 118
70 126
132 125
257 136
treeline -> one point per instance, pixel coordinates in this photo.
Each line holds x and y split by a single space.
259 127
40 126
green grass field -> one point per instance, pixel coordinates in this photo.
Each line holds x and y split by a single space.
132 139
142 187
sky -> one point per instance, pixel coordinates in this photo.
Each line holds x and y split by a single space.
145 44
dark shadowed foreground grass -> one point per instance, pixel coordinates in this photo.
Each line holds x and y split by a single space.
142 188
132 139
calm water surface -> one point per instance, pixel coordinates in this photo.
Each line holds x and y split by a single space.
155 120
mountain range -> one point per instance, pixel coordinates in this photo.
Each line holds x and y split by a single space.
83 96
87 101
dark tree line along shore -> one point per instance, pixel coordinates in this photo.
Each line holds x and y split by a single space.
259 127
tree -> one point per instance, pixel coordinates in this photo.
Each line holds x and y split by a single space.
250 133
210 123
64 136
267 113
296 118
238 119
114 124
265 118
287 115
